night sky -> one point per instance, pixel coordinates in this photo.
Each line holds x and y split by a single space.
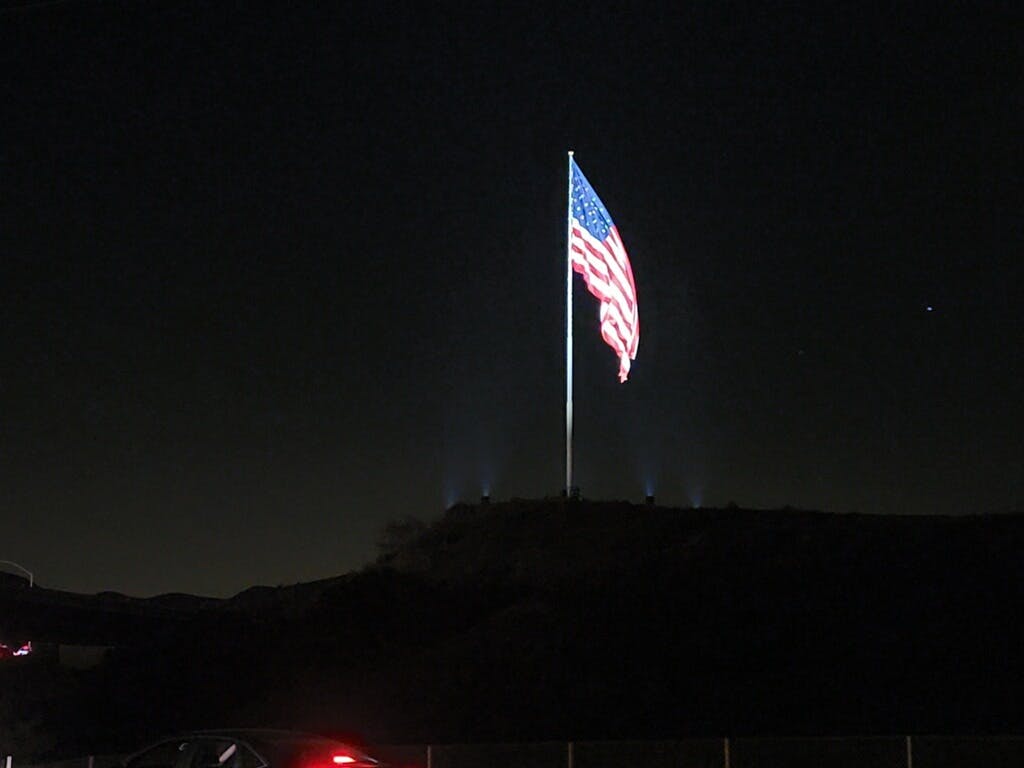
272 274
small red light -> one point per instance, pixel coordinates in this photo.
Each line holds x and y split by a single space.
343 759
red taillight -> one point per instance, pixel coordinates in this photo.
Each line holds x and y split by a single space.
353 759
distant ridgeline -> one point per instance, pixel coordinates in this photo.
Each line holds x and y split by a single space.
57 617
552 619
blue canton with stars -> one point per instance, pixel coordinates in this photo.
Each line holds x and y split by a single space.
587 207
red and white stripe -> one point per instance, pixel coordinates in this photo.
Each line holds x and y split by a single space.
608 275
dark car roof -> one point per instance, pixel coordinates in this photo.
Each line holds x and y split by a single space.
260 738
255 733
258 734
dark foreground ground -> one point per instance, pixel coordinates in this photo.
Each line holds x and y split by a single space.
541 620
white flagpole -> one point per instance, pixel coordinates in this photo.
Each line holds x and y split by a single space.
568 337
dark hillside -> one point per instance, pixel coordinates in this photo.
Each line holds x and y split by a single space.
542 619
746 621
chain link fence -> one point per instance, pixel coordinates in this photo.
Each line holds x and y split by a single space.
860 752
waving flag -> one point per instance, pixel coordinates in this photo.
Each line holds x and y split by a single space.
597 253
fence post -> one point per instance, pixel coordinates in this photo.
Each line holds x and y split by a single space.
569 756
725 751
92 761
7 761
910 753
430 756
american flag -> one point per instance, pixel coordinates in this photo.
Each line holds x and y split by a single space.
597 253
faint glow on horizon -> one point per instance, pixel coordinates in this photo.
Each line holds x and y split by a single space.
451 498
468 481
648 476
487 474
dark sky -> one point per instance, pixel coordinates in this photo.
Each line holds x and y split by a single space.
276 273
